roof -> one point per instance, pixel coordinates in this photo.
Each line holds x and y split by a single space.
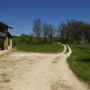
5 25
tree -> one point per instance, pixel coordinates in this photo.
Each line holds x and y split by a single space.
52 33
45 31
76 32
61 32
48 33
37 29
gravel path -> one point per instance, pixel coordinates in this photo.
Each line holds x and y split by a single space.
35 71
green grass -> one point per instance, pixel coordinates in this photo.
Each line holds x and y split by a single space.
40 48
79 61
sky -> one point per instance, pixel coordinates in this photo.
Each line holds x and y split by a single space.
20 14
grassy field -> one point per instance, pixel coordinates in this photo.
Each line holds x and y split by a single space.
79 61
40 48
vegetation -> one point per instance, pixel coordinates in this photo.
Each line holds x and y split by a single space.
37 29
43 31
79 61
72 32
45 38
29 39
52 48
75 32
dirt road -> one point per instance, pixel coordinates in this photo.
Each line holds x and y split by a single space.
35 71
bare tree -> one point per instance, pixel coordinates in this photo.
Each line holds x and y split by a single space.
45 33
51 33
48 33
37 29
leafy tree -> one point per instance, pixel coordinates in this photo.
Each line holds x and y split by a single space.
75 32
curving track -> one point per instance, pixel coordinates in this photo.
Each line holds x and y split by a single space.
35 71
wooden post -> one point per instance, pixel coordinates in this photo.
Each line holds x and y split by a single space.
6 43
10 43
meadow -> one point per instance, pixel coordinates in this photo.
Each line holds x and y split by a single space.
50 48
79 61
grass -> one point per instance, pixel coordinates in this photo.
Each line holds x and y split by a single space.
79 61
53 48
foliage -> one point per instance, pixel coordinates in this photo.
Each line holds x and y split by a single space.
72 32
26 39
76 32
23 39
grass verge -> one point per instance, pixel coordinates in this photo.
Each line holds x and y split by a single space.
79 61
52 48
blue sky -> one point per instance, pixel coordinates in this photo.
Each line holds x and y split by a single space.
20 14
